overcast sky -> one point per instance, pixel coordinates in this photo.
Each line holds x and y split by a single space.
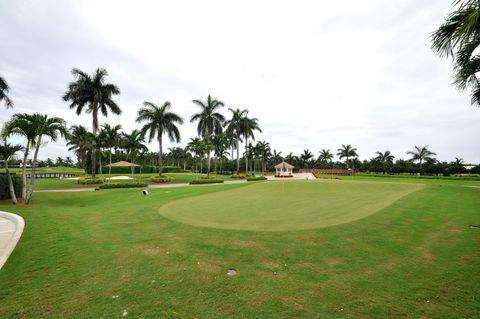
317 74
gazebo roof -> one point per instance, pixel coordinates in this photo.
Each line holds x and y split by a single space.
286 164
122 163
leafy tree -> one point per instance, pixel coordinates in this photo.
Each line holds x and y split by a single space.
7 151
421 154
92 95
159 121
220 145
347 151
385 158
234 128
249 126
198 147
22 124
325 156
78 142
210 121
458 38
110 137
306 157
276 157
45 127
4 89
133 143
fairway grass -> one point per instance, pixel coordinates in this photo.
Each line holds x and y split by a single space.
101 254
286 205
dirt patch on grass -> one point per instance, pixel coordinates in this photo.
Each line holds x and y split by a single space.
293 302
333 261
150 251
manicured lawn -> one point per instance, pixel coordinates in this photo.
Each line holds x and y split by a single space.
98 254
286 205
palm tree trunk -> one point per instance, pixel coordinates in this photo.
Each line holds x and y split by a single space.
34 167
160 153
24 173
208 163
246 154
95 130
10 183
238 156
110 166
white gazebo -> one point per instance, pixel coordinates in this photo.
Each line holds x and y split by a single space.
284 169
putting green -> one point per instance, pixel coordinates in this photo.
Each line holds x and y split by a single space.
286 205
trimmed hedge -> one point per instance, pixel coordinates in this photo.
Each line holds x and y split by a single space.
5 189
90 181
162 179
238 176
174 169
206 181
123 185
258 178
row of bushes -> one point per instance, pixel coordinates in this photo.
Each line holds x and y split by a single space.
206 181
256 178
162 179
90 181
123 185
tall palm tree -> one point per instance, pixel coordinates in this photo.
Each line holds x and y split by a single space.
325 156
110 139
210 121
421 154
133 143
92 95
277 157
159 121
234 128
45 127
385 158
220 145
249 126
458 38
22 124
4 88
197 146
347 151
7 151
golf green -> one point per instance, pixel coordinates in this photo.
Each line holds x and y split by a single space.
286 205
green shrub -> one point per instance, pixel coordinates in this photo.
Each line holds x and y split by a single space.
123 185
206 181
5 189
257 178
174 169
90 181
238 176
162 179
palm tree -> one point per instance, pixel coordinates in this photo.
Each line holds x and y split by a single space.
277 157
220 145
306 156
50 127
197 146
385 158
77 140
7 151
234 128
421 154
159 121
249 125
133 144
22 124
110 139
325 156
210 122
92 94
347 151
458 38
4 88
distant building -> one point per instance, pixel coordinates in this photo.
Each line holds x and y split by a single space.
284 169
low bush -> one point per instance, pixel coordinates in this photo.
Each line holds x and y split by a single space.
206 181
90 181
256 178
174 169
123 185
238 176
162 179
5 188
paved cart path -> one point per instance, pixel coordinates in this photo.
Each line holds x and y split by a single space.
11 228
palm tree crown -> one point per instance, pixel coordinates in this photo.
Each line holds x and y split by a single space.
421 154
4 88
347 151
209 120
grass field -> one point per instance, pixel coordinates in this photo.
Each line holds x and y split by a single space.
99 254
